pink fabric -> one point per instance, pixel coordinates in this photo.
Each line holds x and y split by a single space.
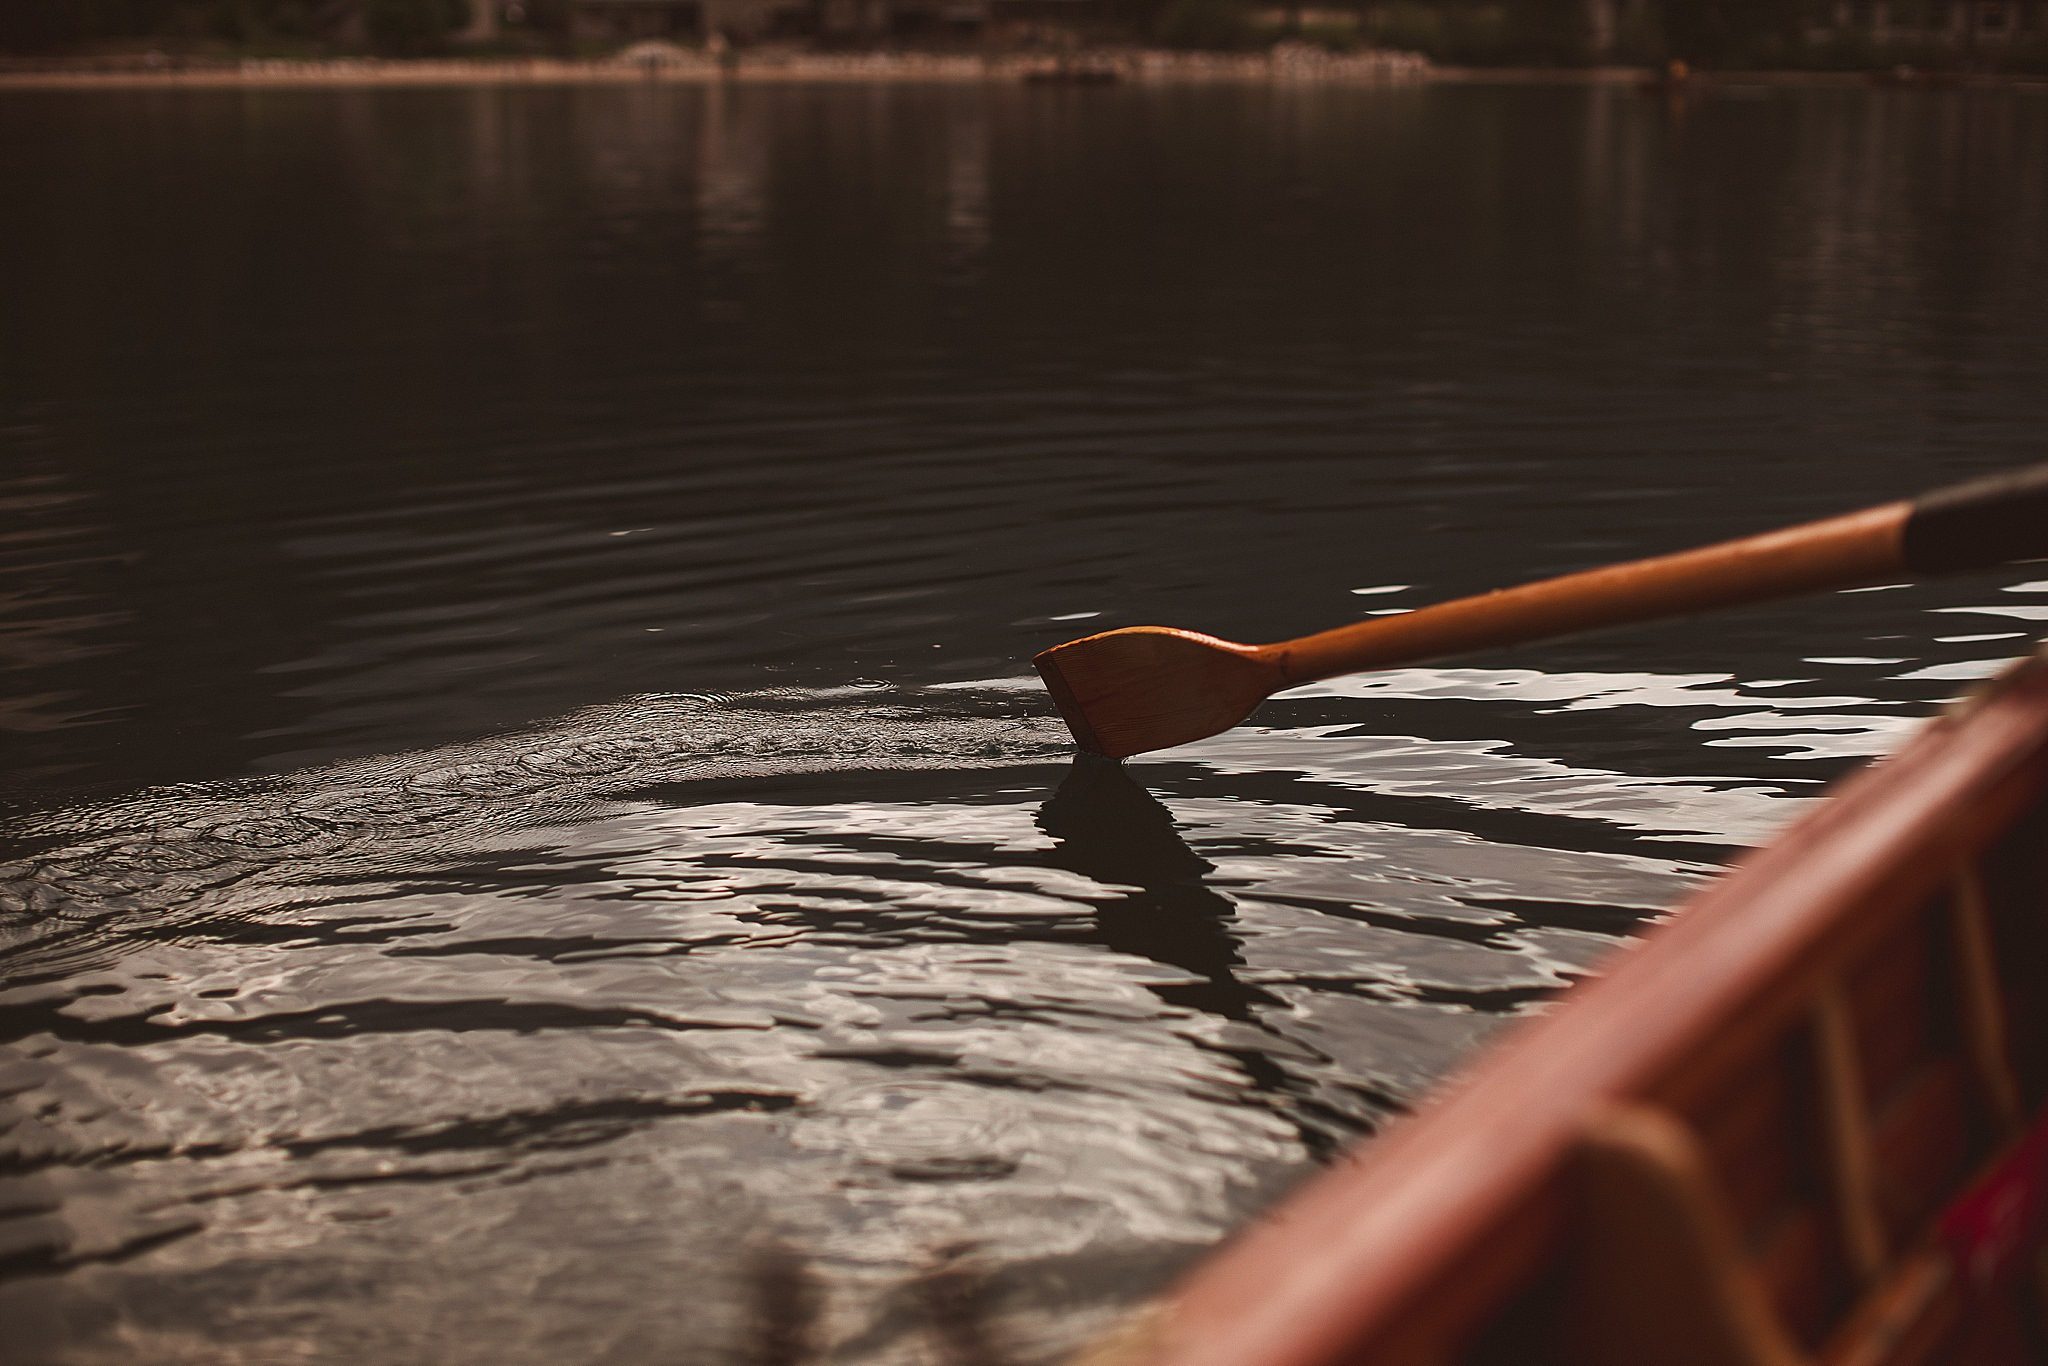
1999 1219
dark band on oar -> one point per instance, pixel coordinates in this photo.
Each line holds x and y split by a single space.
1979 524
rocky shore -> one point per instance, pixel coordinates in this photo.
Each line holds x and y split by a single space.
1287 62
1284 62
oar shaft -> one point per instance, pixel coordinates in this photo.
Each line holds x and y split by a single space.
1837 553
1969 526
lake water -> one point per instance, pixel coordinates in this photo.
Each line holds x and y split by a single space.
528 832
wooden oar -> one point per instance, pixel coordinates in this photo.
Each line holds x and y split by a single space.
1149 687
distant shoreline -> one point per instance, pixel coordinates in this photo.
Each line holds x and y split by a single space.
1287 64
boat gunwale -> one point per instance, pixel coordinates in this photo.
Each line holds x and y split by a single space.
1427 1209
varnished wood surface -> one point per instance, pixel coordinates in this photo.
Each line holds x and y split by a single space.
1839 552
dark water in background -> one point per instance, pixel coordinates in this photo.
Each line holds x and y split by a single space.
523 788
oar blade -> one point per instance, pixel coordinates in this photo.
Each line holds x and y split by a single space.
1152 687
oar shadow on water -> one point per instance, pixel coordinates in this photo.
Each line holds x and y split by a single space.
1167 907
1107 827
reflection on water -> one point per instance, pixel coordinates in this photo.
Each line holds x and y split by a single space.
869 977
351 1011
680 981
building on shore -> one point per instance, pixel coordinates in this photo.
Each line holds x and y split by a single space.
1879 25
1936 29
1956 23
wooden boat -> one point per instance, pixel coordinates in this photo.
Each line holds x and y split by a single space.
1801 1121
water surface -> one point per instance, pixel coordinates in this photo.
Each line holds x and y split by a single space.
528 834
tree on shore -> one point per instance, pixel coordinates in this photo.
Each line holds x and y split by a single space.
1214 25
410 28
1734 32
394 26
